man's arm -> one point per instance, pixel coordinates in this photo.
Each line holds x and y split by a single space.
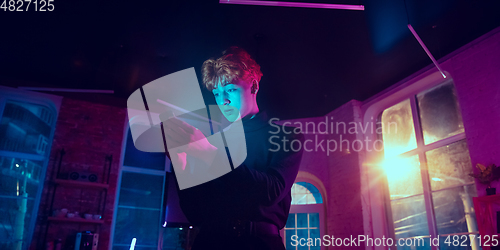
266 187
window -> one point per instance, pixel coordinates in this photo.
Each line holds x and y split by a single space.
305 217
138 211
27 122
141 208
426 165
305 193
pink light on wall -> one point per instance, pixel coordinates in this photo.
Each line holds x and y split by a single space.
426 50
295 4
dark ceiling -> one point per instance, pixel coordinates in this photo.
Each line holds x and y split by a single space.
313 60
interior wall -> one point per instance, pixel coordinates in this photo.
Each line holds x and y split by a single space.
89 131
337 167
475 69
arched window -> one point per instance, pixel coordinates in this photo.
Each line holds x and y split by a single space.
306 217
305 193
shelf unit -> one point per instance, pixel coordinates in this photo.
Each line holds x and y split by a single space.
81 184
76 220
101 187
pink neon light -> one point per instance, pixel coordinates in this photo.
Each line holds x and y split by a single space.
426 50
295 4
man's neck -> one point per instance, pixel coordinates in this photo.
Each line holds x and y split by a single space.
251 115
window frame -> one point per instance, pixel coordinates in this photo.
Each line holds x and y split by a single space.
130 169
320 208
308 209
376 219
420 151
53 103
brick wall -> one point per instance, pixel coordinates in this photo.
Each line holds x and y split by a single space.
338 170
344 188
87 132
476 73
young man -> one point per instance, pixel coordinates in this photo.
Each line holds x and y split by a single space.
245 208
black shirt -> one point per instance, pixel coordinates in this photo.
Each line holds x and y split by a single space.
257 190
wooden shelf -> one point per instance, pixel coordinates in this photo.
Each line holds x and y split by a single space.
71 183
75 220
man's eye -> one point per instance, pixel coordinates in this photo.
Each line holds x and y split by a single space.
216 95
231 90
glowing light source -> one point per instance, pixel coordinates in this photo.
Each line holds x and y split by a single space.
165 224
295 4
397 168
17 165
190 227
69 90
437 179
132 244
426 50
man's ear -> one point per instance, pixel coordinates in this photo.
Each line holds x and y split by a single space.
255 87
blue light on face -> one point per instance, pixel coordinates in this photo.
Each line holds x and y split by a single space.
230 99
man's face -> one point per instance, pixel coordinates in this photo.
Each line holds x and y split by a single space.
234 97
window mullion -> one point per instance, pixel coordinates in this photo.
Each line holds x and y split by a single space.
429 204
426 185
3 101
443 142
22 155
296 226
142 170
416 122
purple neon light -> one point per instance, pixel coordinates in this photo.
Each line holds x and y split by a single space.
426 50
69 90
295 4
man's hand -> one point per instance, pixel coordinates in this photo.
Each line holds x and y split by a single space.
188 140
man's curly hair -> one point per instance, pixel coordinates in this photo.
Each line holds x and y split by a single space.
235 63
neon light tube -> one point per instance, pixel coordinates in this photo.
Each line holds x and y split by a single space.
69 90
295 4
132 245
426 50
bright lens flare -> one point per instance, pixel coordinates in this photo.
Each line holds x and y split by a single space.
397 168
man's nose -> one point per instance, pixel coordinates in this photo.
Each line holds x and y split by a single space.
227 101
